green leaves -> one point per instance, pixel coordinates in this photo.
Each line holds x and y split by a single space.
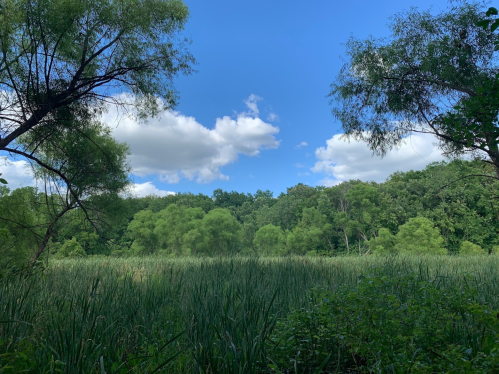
390 322
492 23
393 87
491 12
269 240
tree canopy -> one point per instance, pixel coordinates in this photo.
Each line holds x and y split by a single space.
62 62
411 212
436 74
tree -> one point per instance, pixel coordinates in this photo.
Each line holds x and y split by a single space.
61 63
174 223
319 230
383 244
61 58
170 227
436 75
298 241
222 232
269 240
468 248
419 236
141 231
364 201
76 164
71 248
21 217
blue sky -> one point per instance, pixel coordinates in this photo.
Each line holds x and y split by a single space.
263 73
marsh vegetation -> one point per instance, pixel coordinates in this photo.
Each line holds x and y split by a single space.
254 315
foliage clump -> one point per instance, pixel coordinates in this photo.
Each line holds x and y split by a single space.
389 324
270 240
469 248
419 236
71 248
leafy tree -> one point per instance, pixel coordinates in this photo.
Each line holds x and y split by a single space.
301 240
21 224
266 197
419 236
320 230
224 199
141 231
248 235
393 88
297 241
469 248
343 222
493 23
383 244
170 228
71 248
222 232
193 240
60 64
77 164
174 223
363 199
270 240
62 58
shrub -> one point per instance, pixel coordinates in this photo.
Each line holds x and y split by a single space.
383 244
469 248
269 240
71 248
419 236
388 324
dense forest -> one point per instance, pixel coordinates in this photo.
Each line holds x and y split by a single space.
444 208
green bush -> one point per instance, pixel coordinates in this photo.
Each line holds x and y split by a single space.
419 236
71 248
383 244
269 240
468 248
388 324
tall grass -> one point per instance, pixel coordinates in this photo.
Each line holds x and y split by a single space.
144 315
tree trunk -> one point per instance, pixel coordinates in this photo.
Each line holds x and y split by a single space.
346 240
43 244
48 234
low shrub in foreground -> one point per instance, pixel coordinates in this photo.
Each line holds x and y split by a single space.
389 325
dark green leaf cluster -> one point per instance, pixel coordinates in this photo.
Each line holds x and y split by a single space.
389 324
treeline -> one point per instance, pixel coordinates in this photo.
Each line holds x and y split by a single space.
446 208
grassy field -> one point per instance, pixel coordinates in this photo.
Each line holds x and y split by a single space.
243 315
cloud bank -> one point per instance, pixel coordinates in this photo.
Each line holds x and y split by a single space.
176 146
342 160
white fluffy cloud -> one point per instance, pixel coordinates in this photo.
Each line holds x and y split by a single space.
302 144
17 173
175 146
146 189
342 160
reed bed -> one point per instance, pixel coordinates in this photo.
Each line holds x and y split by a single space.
214 315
